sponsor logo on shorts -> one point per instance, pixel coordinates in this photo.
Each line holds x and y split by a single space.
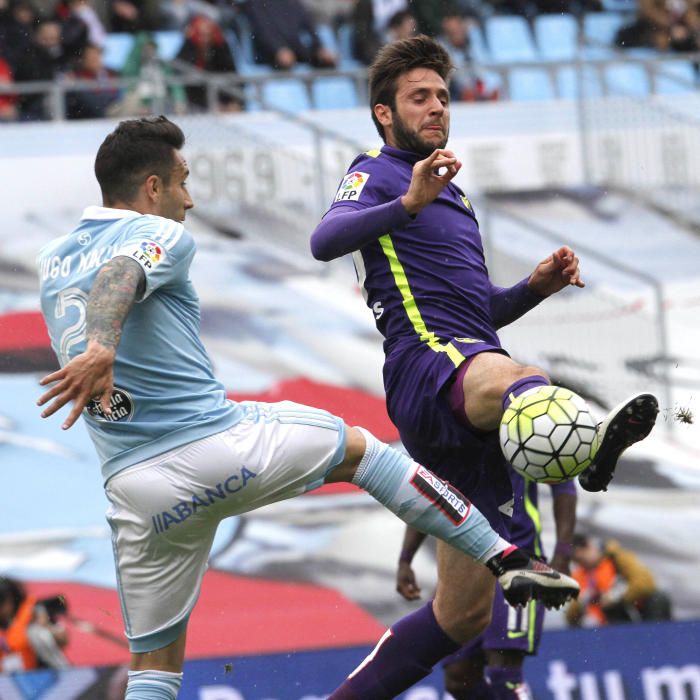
122 406
185 509
351 186
445 496
148 254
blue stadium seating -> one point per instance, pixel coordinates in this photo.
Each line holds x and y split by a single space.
116 49
556 36
328 38
568 82
334 93
530 84
674 77
169 43
477 45
288 94
627 79
509 39
599 30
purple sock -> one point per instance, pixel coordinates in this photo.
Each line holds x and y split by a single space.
481 691
405 654
507 682
521 386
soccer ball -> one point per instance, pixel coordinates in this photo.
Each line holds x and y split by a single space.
548 434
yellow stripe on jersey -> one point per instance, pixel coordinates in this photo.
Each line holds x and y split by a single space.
374 153
534 514
409 303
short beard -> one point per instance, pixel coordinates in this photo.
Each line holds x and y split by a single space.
408 140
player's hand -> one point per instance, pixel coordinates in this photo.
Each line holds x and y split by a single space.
426 183
406 582
87 376
556 272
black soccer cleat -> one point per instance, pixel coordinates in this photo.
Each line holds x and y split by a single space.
626 424
523 578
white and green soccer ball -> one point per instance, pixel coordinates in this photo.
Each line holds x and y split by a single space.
548 434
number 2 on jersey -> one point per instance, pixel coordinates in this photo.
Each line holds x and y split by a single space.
75 333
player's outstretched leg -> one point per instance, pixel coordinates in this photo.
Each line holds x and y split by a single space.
431 505
629 422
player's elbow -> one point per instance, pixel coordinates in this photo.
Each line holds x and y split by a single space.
319 250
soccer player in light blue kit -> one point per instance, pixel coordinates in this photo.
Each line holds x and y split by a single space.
177 456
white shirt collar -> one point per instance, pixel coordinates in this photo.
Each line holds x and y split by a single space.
107 213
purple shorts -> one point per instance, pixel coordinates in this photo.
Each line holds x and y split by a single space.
511 629
417 383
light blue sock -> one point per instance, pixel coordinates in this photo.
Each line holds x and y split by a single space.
153 685
425 501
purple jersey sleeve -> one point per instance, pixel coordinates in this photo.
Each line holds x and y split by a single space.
510 303
565 487
345 228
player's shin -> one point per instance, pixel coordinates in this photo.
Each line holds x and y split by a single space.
424 501
405 654
153 685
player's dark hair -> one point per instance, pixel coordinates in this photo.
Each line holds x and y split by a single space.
393 60
135 150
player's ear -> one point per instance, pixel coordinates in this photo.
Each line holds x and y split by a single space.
154 186
383 114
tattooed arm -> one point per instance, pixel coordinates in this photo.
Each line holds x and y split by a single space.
89 375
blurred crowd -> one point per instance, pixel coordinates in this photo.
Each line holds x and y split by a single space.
48 40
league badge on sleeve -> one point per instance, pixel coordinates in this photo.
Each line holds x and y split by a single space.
148 254
351 186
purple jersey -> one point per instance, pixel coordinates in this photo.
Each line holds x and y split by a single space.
426 282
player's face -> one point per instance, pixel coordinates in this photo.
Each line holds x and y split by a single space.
175 199
421 120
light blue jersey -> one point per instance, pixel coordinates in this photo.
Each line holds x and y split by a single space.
165 391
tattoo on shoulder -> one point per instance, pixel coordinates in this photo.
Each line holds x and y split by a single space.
117 286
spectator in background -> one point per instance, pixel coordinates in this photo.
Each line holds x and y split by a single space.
91 103
83 15
205 48
18 20
664 25
153 91
31 636
74 32
44 59
285 34
134 15
8 103
331 12
369 22
467 84
615 586
401 26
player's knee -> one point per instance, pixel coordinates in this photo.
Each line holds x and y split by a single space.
470 623
355 446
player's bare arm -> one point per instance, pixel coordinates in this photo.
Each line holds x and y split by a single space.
89 375
555 272
406 583
427 182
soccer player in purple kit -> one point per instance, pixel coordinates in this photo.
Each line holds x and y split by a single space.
491 666
418 254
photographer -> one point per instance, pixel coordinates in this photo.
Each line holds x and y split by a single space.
31 636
